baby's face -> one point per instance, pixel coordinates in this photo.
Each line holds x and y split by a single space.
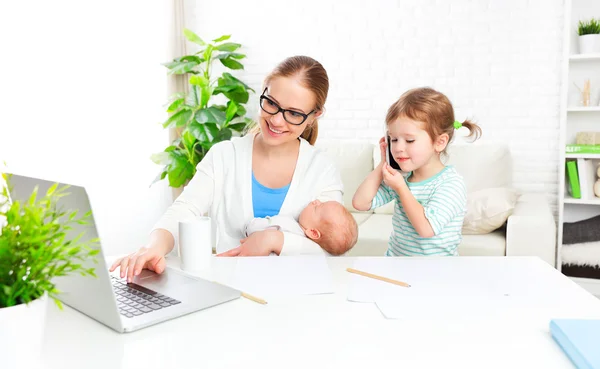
313 213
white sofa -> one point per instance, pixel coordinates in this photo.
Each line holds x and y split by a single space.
529 231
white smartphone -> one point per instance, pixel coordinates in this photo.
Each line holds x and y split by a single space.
390 158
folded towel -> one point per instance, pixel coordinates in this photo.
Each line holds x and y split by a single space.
587 230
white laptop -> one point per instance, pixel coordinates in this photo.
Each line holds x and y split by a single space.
151 298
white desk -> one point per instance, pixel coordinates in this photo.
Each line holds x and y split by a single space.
323 331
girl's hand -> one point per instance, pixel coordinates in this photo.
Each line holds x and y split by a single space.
392 178
260 243
383 149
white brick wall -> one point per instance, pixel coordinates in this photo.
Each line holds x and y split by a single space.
497 60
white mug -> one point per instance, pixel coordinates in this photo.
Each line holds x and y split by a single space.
195 243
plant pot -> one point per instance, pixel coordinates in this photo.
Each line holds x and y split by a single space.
589 44
22 333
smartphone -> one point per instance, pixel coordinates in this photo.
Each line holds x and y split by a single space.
390 158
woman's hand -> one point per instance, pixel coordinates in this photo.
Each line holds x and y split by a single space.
145 258
393 178
260 243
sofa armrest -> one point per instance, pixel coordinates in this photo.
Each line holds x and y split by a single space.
531 230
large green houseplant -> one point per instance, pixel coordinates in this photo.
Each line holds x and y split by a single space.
35 247
200 122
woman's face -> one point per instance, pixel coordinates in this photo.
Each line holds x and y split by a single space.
289 94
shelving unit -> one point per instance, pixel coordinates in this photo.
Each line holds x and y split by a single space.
576 68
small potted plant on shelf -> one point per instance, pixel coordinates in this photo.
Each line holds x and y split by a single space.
589 36
35 248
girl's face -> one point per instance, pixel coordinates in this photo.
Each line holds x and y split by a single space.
411 145
286 93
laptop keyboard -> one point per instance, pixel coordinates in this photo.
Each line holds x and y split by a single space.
134 300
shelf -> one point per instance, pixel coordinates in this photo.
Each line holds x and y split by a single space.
582 155
570 200
584 108
584 57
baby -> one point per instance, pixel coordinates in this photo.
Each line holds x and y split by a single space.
329 224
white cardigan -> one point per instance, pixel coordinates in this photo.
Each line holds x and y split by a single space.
222 187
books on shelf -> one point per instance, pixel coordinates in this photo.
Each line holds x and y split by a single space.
581 176
582 149
573 179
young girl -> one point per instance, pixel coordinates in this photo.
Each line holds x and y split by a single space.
430 196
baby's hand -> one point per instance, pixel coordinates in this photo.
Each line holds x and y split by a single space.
393 178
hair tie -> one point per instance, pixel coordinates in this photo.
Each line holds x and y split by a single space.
457 124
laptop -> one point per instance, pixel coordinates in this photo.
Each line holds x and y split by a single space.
125 307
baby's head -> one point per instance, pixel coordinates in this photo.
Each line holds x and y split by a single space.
421 124
330 225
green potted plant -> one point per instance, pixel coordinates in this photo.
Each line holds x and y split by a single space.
589 36
34 249
201 122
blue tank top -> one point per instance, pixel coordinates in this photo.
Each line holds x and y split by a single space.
267 201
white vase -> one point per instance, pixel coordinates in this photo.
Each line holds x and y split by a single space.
22 333
589 44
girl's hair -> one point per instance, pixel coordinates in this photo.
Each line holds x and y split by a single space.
313 76
432 108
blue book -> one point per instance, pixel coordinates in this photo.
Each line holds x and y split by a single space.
579 339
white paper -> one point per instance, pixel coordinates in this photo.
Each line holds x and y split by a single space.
268 277
453 276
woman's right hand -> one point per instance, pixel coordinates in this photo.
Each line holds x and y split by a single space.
151 258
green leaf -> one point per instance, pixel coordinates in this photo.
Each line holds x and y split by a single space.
175 105
180 67
238 127
193 97
161 158
191 58
228 46
230 55
188 139
223 135
179 172
208 52
205 133
191 36
210 115
199 80
232 108
231 63
160 176
222 38
178 119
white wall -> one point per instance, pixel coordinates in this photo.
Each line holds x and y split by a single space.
497 60
81 98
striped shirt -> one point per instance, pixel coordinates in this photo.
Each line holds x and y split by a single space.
444 200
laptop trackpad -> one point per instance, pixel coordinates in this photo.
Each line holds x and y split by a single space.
162 282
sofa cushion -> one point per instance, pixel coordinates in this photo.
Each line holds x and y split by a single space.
360 217
482 165
488 209
354 160
374 233
491 244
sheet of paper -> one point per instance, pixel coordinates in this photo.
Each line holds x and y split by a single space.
455 276
268 277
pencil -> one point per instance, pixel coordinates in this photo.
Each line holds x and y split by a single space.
384 279
254 298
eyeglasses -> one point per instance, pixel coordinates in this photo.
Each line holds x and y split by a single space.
291 116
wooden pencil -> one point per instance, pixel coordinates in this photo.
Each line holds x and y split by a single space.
378 277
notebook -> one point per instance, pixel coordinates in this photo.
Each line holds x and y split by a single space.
579 339
573 179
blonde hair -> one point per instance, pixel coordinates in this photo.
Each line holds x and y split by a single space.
313 76
434 109
339 232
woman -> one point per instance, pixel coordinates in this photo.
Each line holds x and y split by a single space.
272 170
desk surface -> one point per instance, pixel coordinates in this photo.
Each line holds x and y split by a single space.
322 331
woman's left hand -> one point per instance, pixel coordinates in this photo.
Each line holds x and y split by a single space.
261 243
393 178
